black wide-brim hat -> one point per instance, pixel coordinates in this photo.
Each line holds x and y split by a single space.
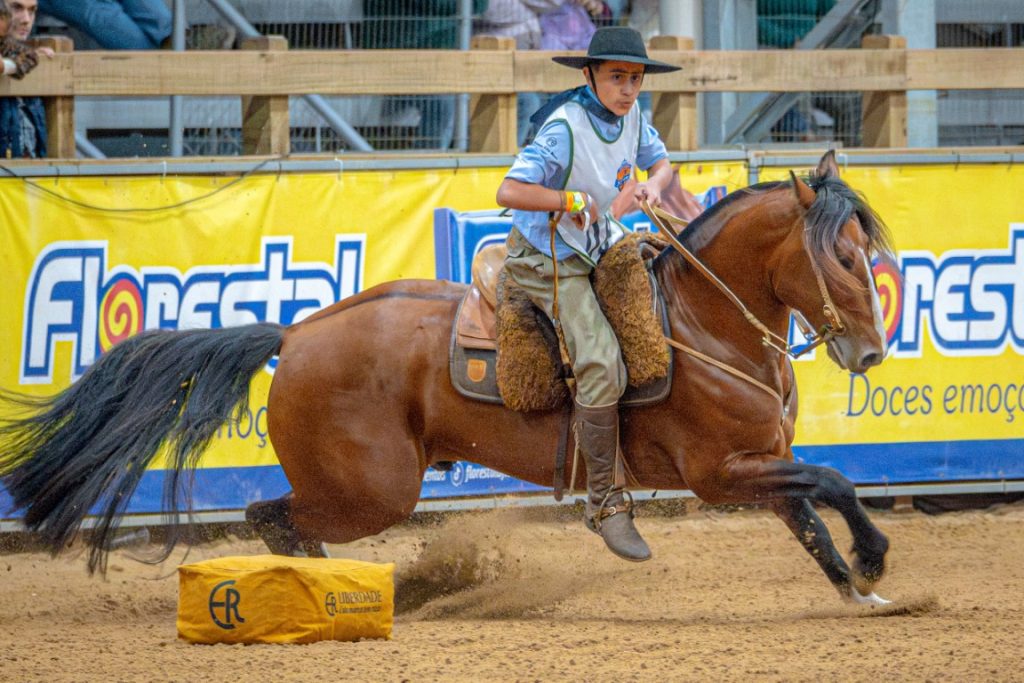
617 44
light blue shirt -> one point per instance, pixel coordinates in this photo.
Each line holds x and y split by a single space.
546 161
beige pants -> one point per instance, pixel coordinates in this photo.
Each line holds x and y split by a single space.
593 349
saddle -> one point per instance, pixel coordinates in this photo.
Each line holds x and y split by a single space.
504 350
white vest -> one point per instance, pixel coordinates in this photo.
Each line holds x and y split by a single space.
599 167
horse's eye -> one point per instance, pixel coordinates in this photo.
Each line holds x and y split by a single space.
846 262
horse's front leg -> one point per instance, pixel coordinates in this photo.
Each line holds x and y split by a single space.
799 515
790 488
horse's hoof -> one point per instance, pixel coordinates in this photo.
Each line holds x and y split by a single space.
271 520
311 549
865 575
868 565
868 599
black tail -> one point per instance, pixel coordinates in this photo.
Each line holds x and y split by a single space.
92 442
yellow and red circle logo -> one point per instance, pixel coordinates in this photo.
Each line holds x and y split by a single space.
623 175
120 312
889 283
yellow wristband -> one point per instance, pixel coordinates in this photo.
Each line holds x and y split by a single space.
567 207
578 202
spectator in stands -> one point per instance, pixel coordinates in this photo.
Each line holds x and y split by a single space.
419 25
602 13
519 20
781 23
18 58
569 27
115 24
23 119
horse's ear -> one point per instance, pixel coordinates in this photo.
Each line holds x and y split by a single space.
827 167
804 194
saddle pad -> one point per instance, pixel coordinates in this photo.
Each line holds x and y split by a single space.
473 374
473 367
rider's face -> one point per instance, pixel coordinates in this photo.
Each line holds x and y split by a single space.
617 84
23 17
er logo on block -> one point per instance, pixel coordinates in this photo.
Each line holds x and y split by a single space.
224 610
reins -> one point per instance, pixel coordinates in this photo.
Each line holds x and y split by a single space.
832 328
665 220
563 348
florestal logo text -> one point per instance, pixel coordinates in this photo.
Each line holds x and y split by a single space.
972 300
72 297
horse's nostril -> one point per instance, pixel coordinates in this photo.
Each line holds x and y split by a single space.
871 360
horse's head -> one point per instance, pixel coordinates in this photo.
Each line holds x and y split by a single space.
830 259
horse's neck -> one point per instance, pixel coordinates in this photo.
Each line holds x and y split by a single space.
737 255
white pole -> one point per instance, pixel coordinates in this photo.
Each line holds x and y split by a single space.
916 21
681 18
176 125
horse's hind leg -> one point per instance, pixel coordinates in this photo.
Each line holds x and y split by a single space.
752 479
272 521
335 506
352 480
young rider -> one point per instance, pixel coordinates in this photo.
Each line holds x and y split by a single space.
592 140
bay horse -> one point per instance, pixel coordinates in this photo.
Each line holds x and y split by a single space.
361 402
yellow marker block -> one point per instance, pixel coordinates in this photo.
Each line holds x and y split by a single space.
275 599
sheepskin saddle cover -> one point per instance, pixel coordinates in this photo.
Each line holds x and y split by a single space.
529 369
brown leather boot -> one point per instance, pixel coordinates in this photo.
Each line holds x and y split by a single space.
608 513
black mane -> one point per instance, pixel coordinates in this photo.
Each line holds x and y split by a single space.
701 229
835 202
833 206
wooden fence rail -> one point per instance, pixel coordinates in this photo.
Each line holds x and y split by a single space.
265 73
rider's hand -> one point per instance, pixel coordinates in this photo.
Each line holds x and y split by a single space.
649 192
624 201
581 209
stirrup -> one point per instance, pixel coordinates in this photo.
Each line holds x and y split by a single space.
605 511
619 534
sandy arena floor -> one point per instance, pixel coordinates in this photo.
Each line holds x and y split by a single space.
528 595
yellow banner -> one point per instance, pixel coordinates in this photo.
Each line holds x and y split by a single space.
88 261
700 177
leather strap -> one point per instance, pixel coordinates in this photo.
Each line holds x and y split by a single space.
563 445
563 348
726 367
834 327
664 221
605 511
